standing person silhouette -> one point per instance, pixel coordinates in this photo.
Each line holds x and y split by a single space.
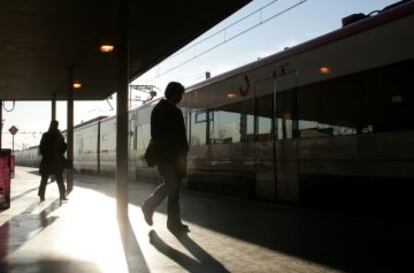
52 148
170 142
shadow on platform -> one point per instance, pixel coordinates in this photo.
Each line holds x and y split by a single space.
23 227
341 243
205 263
133 253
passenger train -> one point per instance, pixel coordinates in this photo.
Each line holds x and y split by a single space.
326 122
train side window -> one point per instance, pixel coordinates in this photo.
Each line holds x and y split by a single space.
81 146
78 143
264 113
143 133
341 105
308 113
233 123
198 127
146 134
391 100
334 107
105 145
284 114
135 139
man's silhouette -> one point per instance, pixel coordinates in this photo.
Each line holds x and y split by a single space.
169 138
52 147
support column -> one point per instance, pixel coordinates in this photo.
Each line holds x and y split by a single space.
122 120
69 130
53 106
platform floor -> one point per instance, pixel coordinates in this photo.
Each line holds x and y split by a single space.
227 235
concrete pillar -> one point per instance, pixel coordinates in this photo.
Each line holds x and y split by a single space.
69 130
122 120
53 106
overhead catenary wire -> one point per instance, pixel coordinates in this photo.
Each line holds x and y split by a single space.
229 39
224 29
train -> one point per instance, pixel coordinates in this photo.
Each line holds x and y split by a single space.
328 121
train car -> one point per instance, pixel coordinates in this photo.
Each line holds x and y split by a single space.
325 122
85 148
86 145
140 135
107 146
29 157
319 123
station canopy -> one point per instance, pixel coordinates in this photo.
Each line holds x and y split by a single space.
41 39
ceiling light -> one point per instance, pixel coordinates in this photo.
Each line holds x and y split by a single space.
77 85
325 70
231 95
106 48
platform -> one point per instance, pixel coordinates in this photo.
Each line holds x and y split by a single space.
227 235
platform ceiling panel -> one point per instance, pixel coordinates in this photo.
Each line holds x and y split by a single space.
41 39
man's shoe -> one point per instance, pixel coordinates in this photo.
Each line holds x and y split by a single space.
147 214
64 199
42 198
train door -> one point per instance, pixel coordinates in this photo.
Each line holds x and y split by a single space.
286 141
264 132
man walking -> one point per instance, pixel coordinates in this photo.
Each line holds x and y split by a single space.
52 148
170 142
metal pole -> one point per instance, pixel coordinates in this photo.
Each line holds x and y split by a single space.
54 106
69 130
122 120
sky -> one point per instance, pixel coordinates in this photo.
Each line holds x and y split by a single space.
224 51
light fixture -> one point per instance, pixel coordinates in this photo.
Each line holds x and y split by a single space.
106 48
77 84
231 95
324 70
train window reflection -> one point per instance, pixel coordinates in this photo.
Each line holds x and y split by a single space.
332 108
198 127
225 128
144 135
284 116
232 123
391 100
308 112
108 136
135 140
264 112
342 105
